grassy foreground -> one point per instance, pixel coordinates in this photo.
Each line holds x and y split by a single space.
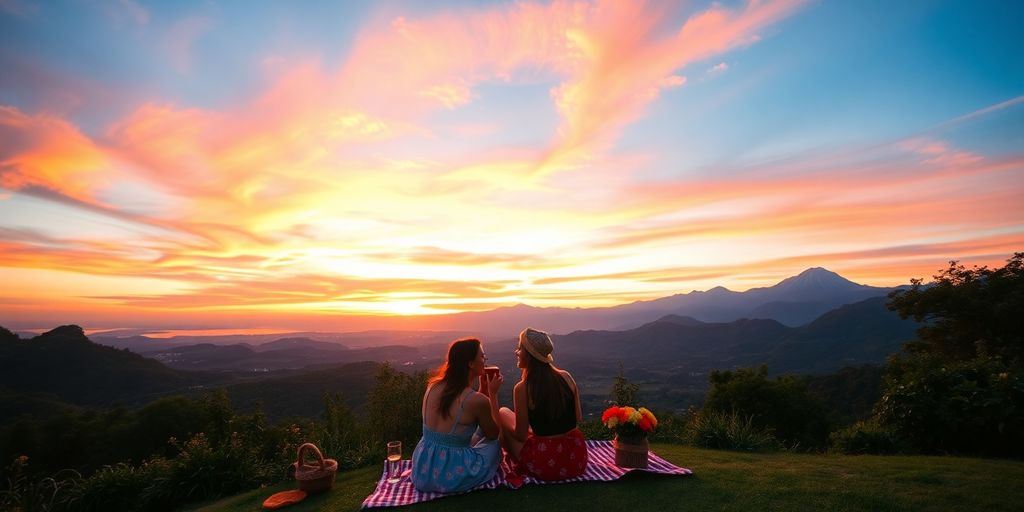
723 481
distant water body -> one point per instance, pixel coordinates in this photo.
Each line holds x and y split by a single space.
170 333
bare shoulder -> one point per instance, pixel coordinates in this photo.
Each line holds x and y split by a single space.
568 377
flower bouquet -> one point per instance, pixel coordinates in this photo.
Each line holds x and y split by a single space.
631 426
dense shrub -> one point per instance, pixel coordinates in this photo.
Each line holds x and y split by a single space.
974 406
729 431
672 428
594 429
848 395
341 436
86 440
26 494
959 386
393 408
867 437
781 406
123 486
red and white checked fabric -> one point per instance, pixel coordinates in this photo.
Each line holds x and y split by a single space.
600 467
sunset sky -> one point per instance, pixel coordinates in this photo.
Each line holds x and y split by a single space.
287 164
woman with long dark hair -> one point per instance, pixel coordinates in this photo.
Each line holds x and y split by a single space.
448 457
541 434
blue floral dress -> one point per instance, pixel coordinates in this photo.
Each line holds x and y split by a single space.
446 462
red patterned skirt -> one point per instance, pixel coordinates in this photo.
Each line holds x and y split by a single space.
554 458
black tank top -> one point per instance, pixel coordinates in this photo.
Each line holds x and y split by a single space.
545 426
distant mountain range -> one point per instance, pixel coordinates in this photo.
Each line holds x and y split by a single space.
668 345
793 302
861 333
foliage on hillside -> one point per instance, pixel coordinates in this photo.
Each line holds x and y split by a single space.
848 395
179 450
66 364
781 405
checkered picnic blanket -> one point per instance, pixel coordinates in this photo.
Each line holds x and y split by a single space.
600 467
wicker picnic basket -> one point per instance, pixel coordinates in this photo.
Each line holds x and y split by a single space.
318 477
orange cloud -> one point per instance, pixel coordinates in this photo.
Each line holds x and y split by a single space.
48 152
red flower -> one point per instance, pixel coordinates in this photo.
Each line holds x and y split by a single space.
645 424
608 413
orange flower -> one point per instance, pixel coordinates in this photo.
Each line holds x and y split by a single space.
622 414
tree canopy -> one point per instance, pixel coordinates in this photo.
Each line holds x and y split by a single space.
959 387
967 312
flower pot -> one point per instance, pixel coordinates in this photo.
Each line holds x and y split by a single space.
631 452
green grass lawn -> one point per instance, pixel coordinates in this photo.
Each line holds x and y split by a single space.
724 481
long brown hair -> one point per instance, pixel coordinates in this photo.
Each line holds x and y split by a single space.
547 390
454 373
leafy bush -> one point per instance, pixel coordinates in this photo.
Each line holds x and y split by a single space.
974 406
123 486
594 429
729 431
624 392
393 409
781 406
672 428
867 437
26 494
340 436
959 386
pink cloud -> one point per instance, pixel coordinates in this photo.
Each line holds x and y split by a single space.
623 52
939 153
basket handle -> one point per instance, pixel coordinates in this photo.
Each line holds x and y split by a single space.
316 452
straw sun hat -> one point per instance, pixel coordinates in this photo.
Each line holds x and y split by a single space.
538 344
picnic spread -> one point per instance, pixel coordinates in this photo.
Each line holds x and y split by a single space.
600 468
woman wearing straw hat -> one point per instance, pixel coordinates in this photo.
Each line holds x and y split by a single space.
542 434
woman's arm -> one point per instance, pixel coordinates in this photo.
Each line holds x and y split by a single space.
486 411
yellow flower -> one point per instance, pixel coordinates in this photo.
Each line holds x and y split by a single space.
634 416
649 415
613 422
